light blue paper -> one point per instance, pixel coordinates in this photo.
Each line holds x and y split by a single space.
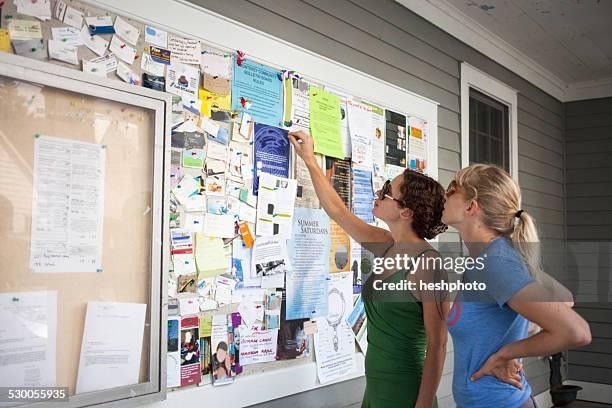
363 196
309 256
262 87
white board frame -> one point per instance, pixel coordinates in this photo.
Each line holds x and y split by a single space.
192 21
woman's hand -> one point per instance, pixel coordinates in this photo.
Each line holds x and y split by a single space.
303 144
508 371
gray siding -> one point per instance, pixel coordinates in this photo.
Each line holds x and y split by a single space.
589 218
386 40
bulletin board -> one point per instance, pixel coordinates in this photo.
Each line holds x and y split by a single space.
264 381
126 126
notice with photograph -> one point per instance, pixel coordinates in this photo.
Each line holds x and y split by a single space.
270 261
182 80
417 144
220 348
190 351
338 171
395 139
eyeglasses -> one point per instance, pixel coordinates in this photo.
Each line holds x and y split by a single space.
385 192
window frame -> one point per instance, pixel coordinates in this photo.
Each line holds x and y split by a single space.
473 78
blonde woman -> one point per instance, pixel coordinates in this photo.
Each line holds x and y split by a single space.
489 329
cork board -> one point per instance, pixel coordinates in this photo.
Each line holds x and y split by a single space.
127 131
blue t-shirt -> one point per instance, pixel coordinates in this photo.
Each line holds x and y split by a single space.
481 324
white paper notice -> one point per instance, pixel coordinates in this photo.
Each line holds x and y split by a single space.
216 64
360 128
67 206
63 52
300 105
73 17
184 50
155 36
334 340
378 145
112 345
127 74
257 345
94 42
126 31
28 339
60 10
275 205
221 226
40 9
99 21
154 68
109 61
94 68
122 50
67 35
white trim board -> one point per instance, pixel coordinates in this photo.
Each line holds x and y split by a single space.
474 78
255 388
190 20
444 15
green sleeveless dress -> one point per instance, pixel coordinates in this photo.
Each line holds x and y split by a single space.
396 346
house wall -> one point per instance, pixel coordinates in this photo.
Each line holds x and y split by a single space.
589 218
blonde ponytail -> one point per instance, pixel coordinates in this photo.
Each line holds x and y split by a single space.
525 240
499 198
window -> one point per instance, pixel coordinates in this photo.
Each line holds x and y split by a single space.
488 131
488 121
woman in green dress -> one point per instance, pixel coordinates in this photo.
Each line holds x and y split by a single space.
406 329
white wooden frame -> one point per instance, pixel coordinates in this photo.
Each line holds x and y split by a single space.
473 78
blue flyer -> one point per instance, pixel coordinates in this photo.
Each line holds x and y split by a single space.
258 90
271 152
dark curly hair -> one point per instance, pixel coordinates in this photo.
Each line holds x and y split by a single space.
425 197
